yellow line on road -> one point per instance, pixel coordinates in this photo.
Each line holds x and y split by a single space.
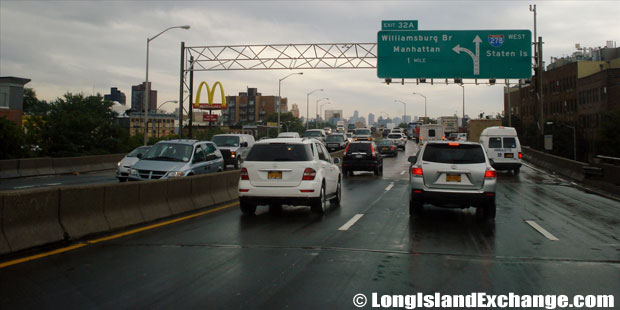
126 233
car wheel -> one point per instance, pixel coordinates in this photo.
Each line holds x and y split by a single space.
488 211
516 170
345 172
275 209
376 171
247 208
336 200
237 164
415 207
319 204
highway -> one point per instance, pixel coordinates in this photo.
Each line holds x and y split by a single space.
549 237
100 177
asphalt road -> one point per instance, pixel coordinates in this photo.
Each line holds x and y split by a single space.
300 260
100 177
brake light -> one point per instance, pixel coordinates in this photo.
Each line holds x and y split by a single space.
443 137
244 174
417 171
393 148
372 150
520 155
345 150
490 174
453 144
243 190
309 174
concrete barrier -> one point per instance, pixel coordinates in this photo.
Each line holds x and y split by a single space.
122 204
4 245
29 167
153 200
201 190
30 218
82 210
9 168
180 195
63 165
566 167
219 189
232 183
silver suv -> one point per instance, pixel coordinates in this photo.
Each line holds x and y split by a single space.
177 158
453 175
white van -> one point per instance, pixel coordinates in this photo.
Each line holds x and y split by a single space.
431 132
503 147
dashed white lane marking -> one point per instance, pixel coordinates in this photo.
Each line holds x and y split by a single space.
23 187
403 172
542 231
389 187
53 184
351 222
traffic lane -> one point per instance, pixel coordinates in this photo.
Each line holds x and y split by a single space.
100 177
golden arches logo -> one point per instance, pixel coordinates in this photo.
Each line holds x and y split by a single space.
210 93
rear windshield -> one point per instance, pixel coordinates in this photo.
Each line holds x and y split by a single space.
394 136
313 133
431 132
362 132
495 142
385 142
280 152
510 143
335 138
359 147
447 154
226 140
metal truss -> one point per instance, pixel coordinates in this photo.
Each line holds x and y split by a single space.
283 56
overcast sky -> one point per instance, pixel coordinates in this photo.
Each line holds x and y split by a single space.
90 46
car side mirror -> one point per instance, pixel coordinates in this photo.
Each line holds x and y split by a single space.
336 160
412 159
139 156
244 144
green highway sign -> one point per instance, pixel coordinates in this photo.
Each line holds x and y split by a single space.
399 25
475 54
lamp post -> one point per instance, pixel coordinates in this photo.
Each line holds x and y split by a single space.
280 98
308 106
405 114
317 111
321 107
463 120
424 102
147 89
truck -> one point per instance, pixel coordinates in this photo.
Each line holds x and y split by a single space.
450 123
476 126
340 126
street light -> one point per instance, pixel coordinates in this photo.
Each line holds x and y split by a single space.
424 102
405 114
173 101
321 107
280 98
147 89
308 106
317 111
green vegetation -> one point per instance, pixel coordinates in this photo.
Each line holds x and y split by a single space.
13 140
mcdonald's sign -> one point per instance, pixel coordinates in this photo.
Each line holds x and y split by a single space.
210 93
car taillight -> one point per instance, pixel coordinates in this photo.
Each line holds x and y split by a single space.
309 174
490 174
453 144
520 155
346 149
393 147
443 137
417 171
372 150
244 174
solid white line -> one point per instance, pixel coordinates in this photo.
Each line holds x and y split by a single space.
351 222
403 172
53 184
389 187
542 231
23 187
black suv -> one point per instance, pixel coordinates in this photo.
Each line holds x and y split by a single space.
336 142
362 156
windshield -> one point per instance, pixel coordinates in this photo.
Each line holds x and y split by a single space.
349 135
280 152
454 154
169 152
385 142
140 150
335 138
362 132
394 136
312 133
226 140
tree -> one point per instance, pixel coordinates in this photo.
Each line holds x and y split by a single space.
32 105
12 138
288 122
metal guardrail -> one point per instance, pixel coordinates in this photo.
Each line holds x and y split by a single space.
609 159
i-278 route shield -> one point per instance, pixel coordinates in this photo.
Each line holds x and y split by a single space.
476 54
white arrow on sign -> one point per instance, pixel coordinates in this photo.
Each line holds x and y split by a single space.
475 57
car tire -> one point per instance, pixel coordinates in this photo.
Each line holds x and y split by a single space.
275 209
247 208
344 172
237 164
516 171
318 206
376 171
336 200
381 170
415 207
488 211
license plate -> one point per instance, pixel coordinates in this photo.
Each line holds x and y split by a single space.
358 156
384 148
333 145
274 175
453 178
509 155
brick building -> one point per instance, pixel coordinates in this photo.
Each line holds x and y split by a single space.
250 107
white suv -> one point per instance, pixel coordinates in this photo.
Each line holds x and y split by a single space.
289 171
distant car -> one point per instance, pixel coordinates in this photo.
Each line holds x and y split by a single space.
387 146
459 137
397 130
503 147
328 130
350 127
177 158
289 171
399 140
292 134
318 134
362 134
349 136
123 166
336 142
385 132
362 156
453 175
234 147
431 132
